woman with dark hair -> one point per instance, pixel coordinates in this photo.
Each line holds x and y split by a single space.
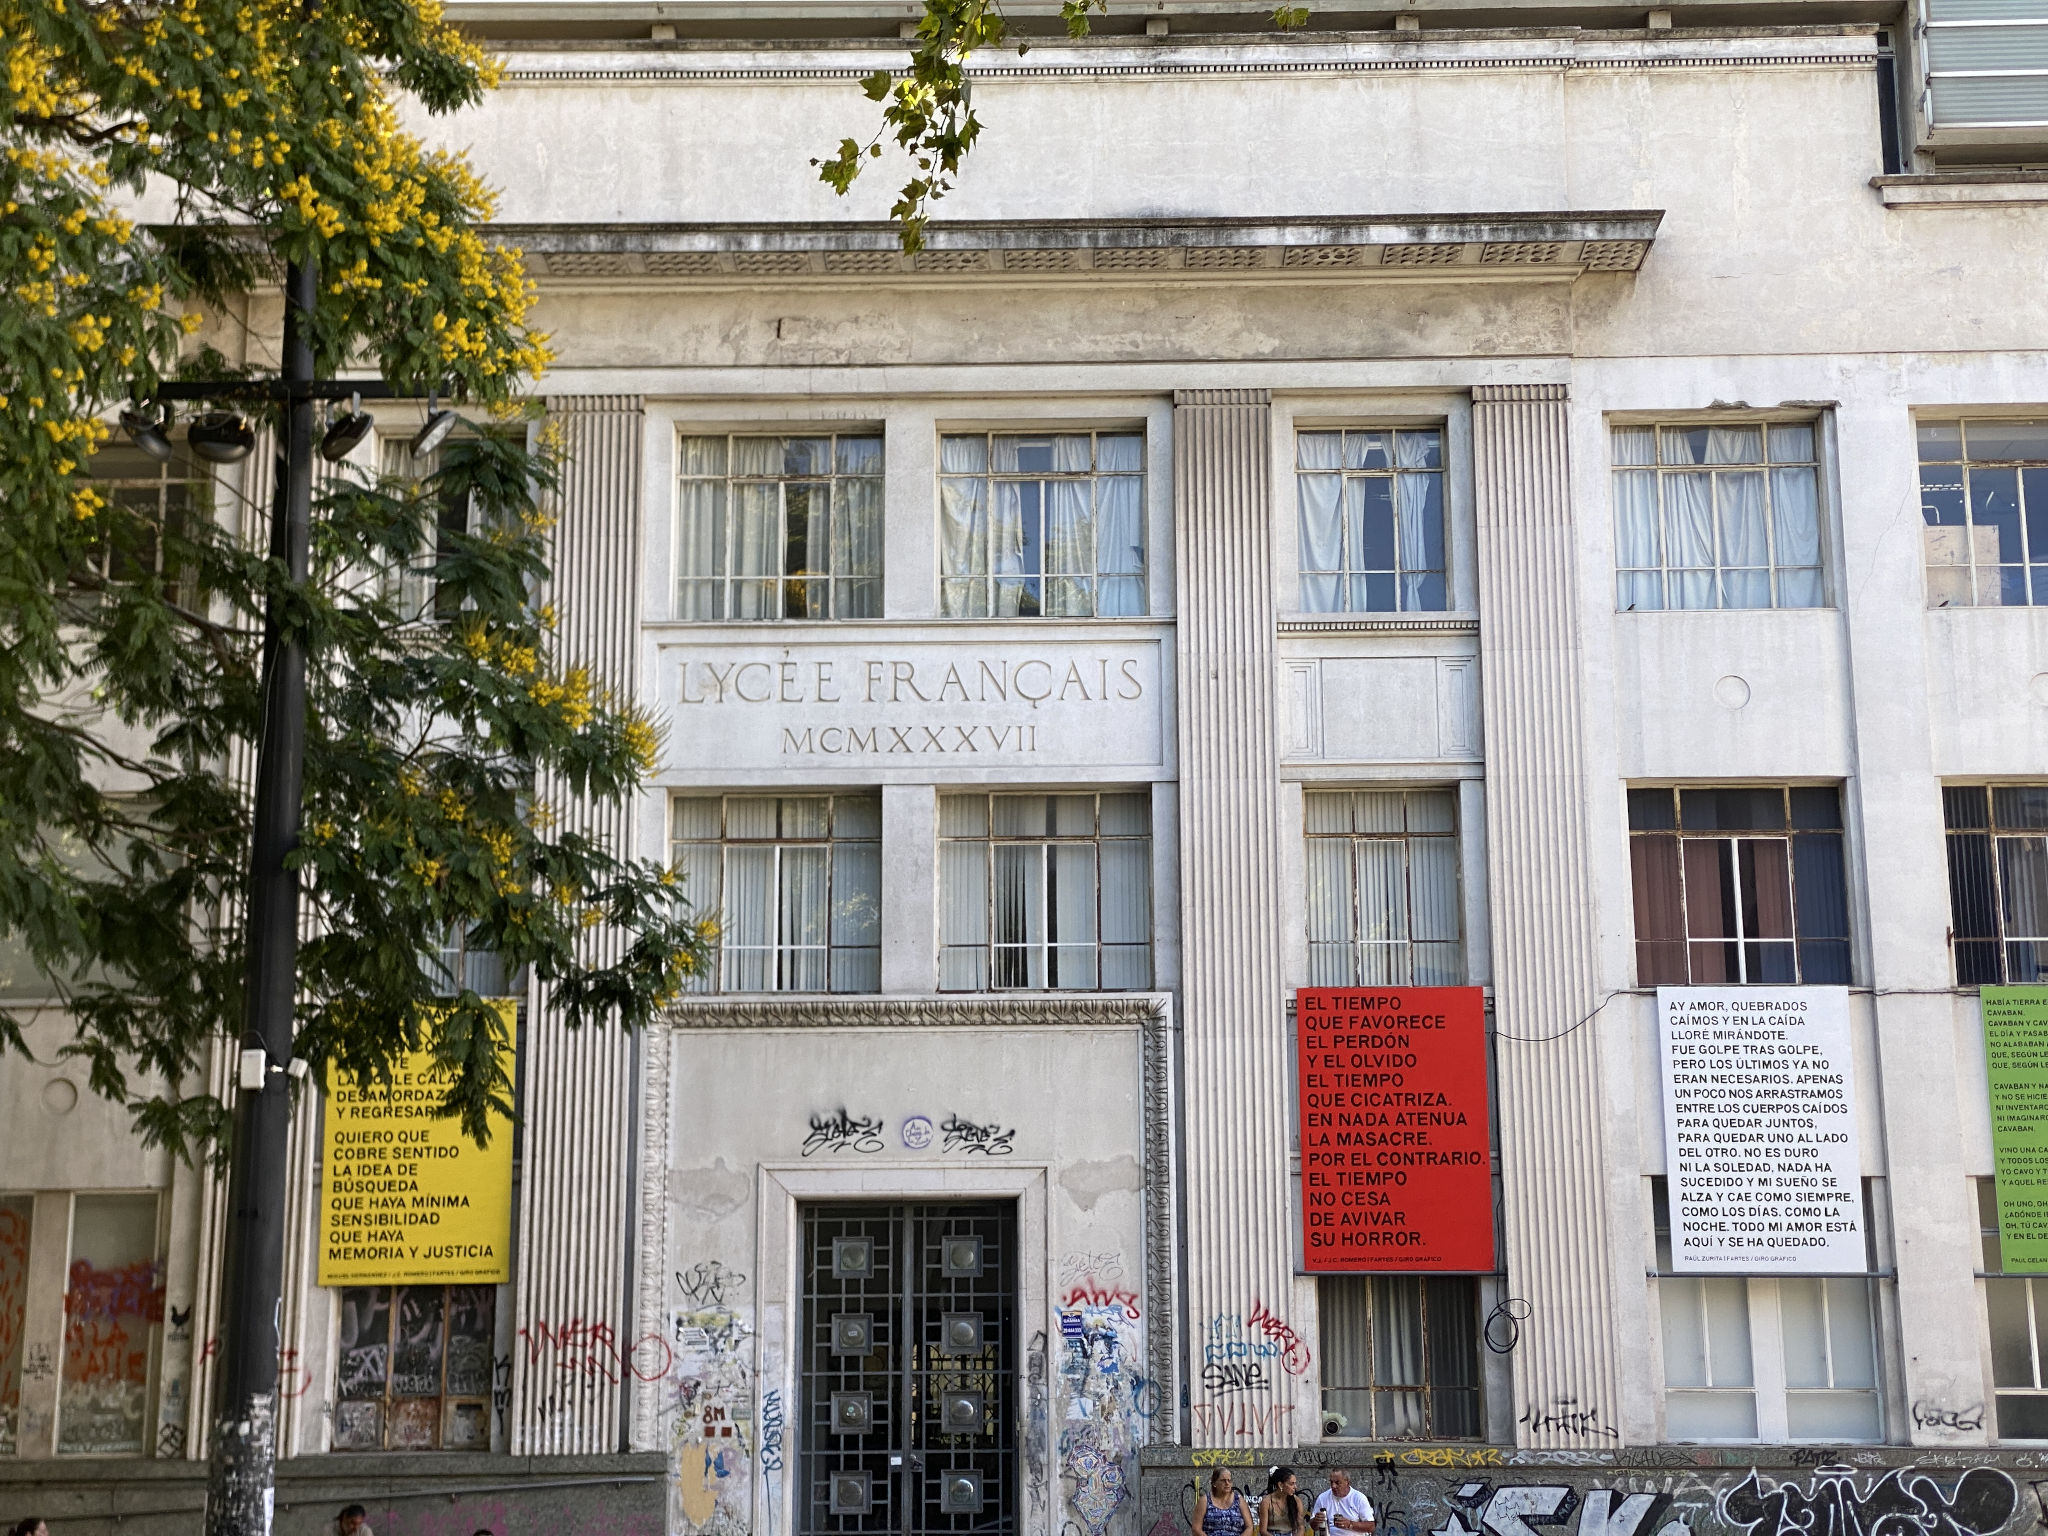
1283 1511
1223 1509
32 1526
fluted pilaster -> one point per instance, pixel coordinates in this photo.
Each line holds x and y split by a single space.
1236 1059
576 1196
1540 899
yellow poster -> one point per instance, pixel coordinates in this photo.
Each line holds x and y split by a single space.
406 1196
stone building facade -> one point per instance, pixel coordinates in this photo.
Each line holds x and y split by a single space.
1540 498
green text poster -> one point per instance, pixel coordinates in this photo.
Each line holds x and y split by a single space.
2016 1058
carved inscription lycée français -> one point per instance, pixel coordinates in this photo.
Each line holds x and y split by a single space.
887 680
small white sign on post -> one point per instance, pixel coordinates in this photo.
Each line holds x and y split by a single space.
1760 1130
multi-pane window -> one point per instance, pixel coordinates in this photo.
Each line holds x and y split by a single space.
795 882
2017 1306
1045 891
1738 884
1041 525
458 965
113 1312
1383 888
413 589
1998 882
1400 1357
1984 497
158 499
1717 516
1372 520
779 527
414 1373
1748 1358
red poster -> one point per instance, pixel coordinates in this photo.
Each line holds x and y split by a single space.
1395 1170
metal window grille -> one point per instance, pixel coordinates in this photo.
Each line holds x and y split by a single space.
1048 892
1738 884
779 527
1371 511
1042 525
1984 500
1718 515
1400 1357
908 1371
1383 888
1998 882
414 1369
796 882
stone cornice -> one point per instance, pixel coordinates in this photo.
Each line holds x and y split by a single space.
1491 246
1033 1010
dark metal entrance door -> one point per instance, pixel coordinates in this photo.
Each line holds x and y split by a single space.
908 1371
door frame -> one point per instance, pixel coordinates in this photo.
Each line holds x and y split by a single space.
778 1292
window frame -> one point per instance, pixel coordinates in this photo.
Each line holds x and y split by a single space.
713 979
1764 1311
987 579
1348 574
2032 566
1047 948
1358 944
1788 832
1969 947
174 516
789 587
1992 1277
479 1403
1427 1387
1819 425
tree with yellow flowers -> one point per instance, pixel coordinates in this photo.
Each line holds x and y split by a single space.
164 164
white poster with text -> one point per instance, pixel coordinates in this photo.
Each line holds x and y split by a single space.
1760 1130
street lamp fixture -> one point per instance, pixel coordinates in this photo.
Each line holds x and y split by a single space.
345 431
439 424
148 434
221 437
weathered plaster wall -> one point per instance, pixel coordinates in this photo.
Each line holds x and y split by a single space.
1052 1116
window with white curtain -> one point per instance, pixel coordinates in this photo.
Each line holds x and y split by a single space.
795 882
1383 888
1984 503
1371 507
1041 525
1400 1357
459 965
779 527
1757 1358
1048 892
2017 1307
1724 515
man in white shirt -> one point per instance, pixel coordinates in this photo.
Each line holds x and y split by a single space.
1341 1507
